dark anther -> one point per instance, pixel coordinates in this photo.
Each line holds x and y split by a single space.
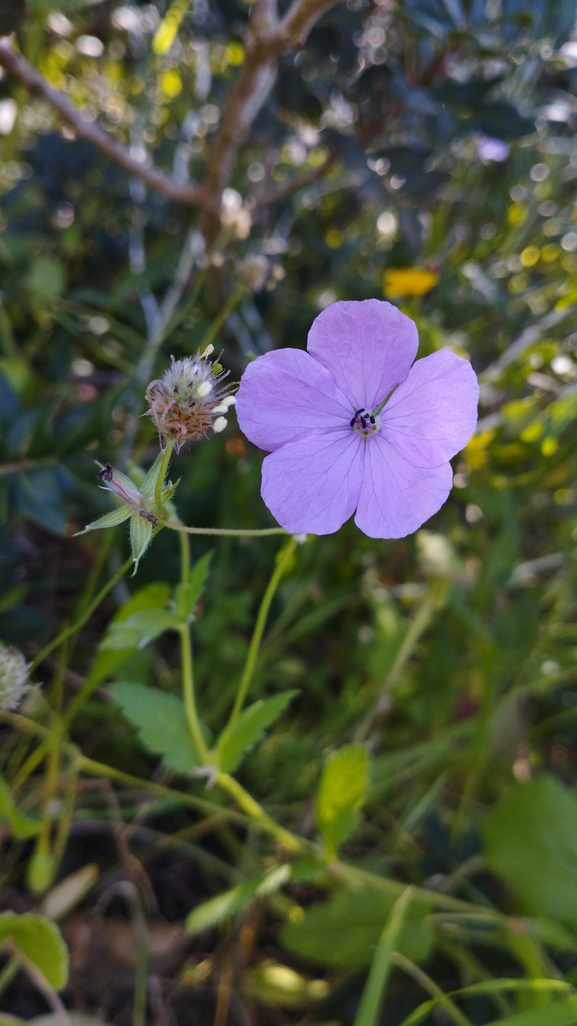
106 473
363 424
354 420
372 419
148 516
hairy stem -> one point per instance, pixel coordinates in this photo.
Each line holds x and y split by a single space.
257 813
224 532
188 694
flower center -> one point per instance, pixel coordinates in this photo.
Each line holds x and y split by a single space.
364 421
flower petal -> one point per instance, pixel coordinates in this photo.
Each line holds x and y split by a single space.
433 414
397 497
285 395
367 346
312 486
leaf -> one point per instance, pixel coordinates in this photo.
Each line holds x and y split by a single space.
496 986
226 905
152 596
140 629
345 930
561 1013
531 841
46 279
22 826
140 538
374 990
12 13
112 519
249 728
341 794
40 941
187 595
161 722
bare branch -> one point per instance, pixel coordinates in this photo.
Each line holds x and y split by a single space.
251 89
180 192
266 40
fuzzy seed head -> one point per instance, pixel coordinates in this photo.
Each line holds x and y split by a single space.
187 401
13 678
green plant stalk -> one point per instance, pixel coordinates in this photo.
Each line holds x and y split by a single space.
184 558
429 985
419 624
257 813
70 631
166 454
224 532
222 316
8 973
284 559
189 696
374 991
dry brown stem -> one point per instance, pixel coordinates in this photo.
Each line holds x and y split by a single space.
267 38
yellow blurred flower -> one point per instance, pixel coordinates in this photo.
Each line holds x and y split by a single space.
476 452
408 281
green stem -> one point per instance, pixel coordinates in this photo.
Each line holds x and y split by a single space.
284 558
373 995
256 812
418 625
222 316
188 694
68 632
166 454
230 532
184 558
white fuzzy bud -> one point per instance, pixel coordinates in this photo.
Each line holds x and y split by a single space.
13 678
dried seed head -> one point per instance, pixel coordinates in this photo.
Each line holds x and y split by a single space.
13 678
189 399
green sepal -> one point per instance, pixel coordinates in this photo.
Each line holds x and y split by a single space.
112 519
140 538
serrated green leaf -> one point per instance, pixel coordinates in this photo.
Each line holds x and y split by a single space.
140 538
187 595
40 941
249 728
22 826
161 722
152 596
341 795
226 905
345 930
112 519
530 839
140 629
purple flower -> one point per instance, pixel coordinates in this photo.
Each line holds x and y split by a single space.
351 425
492 149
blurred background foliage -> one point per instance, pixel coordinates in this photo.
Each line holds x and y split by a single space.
423 150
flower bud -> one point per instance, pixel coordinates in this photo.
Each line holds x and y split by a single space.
188 400
13 677
253 271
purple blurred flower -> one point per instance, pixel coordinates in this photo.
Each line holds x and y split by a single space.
492 149
351 425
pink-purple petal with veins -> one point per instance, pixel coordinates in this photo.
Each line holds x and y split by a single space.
397 497
432 415
367 346
312 485
286 394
